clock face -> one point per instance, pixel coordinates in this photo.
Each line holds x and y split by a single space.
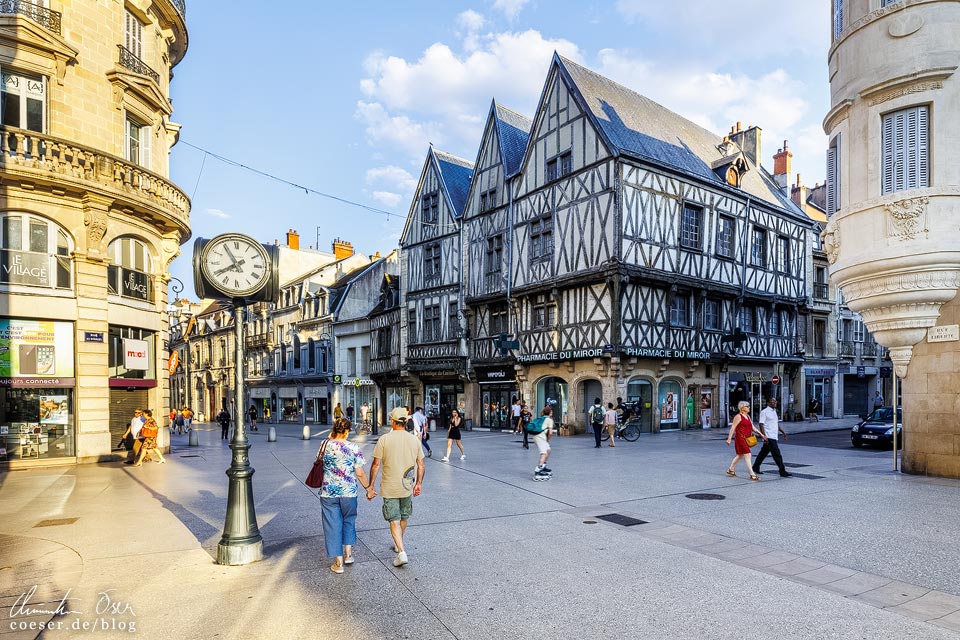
235 264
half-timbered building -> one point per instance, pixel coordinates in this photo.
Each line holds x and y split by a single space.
434 356
638 242
487 221
385 319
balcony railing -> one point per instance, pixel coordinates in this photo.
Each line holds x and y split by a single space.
848 348
181 6
821 290
135 64
257 340
49 20
39 156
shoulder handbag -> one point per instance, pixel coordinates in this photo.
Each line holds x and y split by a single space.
751 440
315 477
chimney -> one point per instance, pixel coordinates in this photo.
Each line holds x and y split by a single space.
749 142
799 194
342 249
293 240
781 167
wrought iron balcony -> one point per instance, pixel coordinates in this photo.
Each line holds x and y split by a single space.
135 64
37 156
49 20
821 290
848 348
257 340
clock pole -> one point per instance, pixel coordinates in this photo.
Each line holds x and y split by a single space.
241 542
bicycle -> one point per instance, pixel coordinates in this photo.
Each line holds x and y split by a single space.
628 429
365 429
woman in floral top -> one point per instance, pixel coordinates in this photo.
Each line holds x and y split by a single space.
342 470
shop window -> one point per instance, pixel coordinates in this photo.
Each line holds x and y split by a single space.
669 404
132 353
36 423
554 392
34 252
23 100
129 275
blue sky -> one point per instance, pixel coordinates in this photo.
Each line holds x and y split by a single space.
345 99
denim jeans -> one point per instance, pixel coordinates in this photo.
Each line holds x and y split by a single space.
339 524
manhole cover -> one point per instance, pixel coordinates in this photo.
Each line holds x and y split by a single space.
706 496
55 523
619 518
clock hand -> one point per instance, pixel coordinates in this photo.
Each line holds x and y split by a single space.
230 253
230 267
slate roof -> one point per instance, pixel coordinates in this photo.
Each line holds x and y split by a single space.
456 174
513 130
637 126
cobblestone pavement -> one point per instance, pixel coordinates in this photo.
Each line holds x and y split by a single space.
612 546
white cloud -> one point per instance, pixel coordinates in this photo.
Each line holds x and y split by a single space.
399 132
470 20
388 198
392 176
217 213
510 8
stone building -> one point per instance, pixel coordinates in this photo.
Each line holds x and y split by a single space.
89 221
892 174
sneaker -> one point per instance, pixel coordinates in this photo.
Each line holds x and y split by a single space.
336 567
401 559
444 459
429 454
463 457
786 474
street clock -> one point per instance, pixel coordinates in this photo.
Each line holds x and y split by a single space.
233 266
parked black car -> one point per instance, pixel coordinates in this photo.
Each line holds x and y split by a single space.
877 429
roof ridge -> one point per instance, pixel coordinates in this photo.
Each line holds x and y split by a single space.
514 112
446 155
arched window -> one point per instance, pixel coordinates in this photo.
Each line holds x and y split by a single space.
129 275
36 252
296 352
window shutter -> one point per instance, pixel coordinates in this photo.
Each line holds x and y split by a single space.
923 156
831 181
889 159
146 145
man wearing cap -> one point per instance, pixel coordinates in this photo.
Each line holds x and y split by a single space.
400 455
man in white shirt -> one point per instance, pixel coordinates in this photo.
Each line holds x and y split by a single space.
610 422
132 436
420 429
770 427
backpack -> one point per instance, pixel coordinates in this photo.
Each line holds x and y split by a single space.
179 420
535 426
597 414
410 425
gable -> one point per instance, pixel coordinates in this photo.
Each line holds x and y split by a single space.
431 186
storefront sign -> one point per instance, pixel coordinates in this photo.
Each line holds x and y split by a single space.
358 382
92 336
21 383
134 284
54 409
337 379
553 356
18 267
947 333
173 363
677 354
314 392
287 392
36 348
495 375
818 373
135 354
260 392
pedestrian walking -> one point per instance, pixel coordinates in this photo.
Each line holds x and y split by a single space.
596 421
770 428
542 440
401 457
877 401
337 412
813 414
342 470
610 422
453 435
525 417
179 422
149 431
131 437
223 418
740 430
187 418
266 414
515 408
364 413
253 417
420 429
350 411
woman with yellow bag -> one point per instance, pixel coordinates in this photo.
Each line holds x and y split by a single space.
149 432
742 432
